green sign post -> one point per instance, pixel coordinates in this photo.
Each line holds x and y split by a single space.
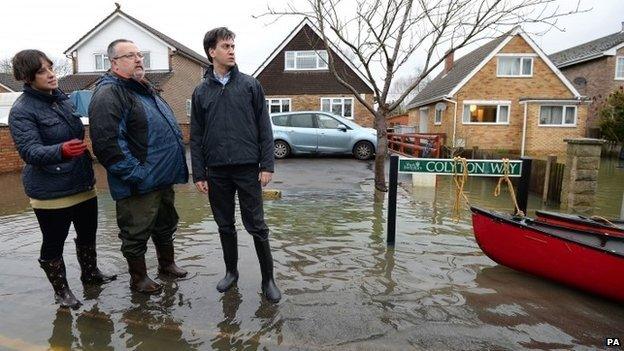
483 168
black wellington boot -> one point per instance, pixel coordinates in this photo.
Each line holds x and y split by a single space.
166 263
229 245
55 270
87 258
139 281
269 289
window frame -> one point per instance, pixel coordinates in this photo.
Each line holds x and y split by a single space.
188 107
95 62
617 61
343 100
268 104
563 124
522 57
436 115
497 103
319 60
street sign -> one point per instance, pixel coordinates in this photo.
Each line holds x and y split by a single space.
483 168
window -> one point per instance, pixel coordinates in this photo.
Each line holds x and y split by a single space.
438 117
281 120
305 60
146 60
304 120
338 106
327 122
619 68
557 115
101 62
486 112
278 105
510 66
188 107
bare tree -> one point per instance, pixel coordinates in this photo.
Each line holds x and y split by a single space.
400 84
385 34
6 66
62 66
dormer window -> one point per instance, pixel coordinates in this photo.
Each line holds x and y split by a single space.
515 66
305 60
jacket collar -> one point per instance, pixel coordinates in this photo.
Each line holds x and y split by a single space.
209 75
56 96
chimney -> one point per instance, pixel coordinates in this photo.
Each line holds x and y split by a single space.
448 61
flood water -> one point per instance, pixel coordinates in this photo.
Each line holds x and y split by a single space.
343 288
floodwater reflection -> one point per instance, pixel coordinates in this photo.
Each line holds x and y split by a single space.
343 288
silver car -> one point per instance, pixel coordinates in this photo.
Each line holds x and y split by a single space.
312 132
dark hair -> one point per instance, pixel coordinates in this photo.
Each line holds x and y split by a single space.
110 50
213 36
26 63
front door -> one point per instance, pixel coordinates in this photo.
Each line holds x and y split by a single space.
424 118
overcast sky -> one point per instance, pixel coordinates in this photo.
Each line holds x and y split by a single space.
52 26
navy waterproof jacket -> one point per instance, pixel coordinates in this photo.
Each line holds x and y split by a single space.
40 123
136 137
230 124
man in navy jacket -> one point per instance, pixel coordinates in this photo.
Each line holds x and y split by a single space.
232 151
136 137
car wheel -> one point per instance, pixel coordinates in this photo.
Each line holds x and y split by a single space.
281 149
363 150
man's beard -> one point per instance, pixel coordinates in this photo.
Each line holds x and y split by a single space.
138 75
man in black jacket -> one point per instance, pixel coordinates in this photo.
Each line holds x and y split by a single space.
232 151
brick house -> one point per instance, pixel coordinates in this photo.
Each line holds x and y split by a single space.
296 77
8 84
505 95
596 69
172 67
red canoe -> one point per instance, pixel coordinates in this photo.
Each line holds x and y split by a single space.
586 260
590 224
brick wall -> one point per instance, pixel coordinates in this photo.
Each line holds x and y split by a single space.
187 74
397 120
542 140
361 115
599 76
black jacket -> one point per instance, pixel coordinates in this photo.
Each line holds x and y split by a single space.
230 124
40 123
136 137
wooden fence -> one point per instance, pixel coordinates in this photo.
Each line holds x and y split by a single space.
417 144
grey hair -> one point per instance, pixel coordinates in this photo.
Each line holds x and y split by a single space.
110 51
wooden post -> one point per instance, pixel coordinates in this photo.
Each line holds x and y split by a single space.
523 185
392 198
550 165
474 151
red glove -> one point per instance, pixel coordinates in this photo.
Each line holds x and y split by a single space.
73 148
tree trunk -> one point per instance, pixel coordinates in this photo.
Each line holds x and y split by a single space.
382 151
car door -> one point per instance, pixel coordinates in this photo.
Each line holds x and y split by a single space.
302 133
331 139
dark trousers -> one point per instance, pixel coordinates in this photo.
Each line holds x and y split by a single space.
140 217
223 183
55 223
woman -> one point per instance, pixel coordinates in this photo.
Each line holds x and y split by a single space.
58 176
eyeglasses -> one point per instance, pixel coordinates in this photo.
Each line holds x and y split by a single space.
131 55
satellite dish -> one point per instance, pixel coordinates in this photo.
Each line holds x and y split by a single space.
440 106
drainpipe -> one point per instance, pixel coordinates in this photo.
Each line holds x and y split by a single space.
524 126
454 118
